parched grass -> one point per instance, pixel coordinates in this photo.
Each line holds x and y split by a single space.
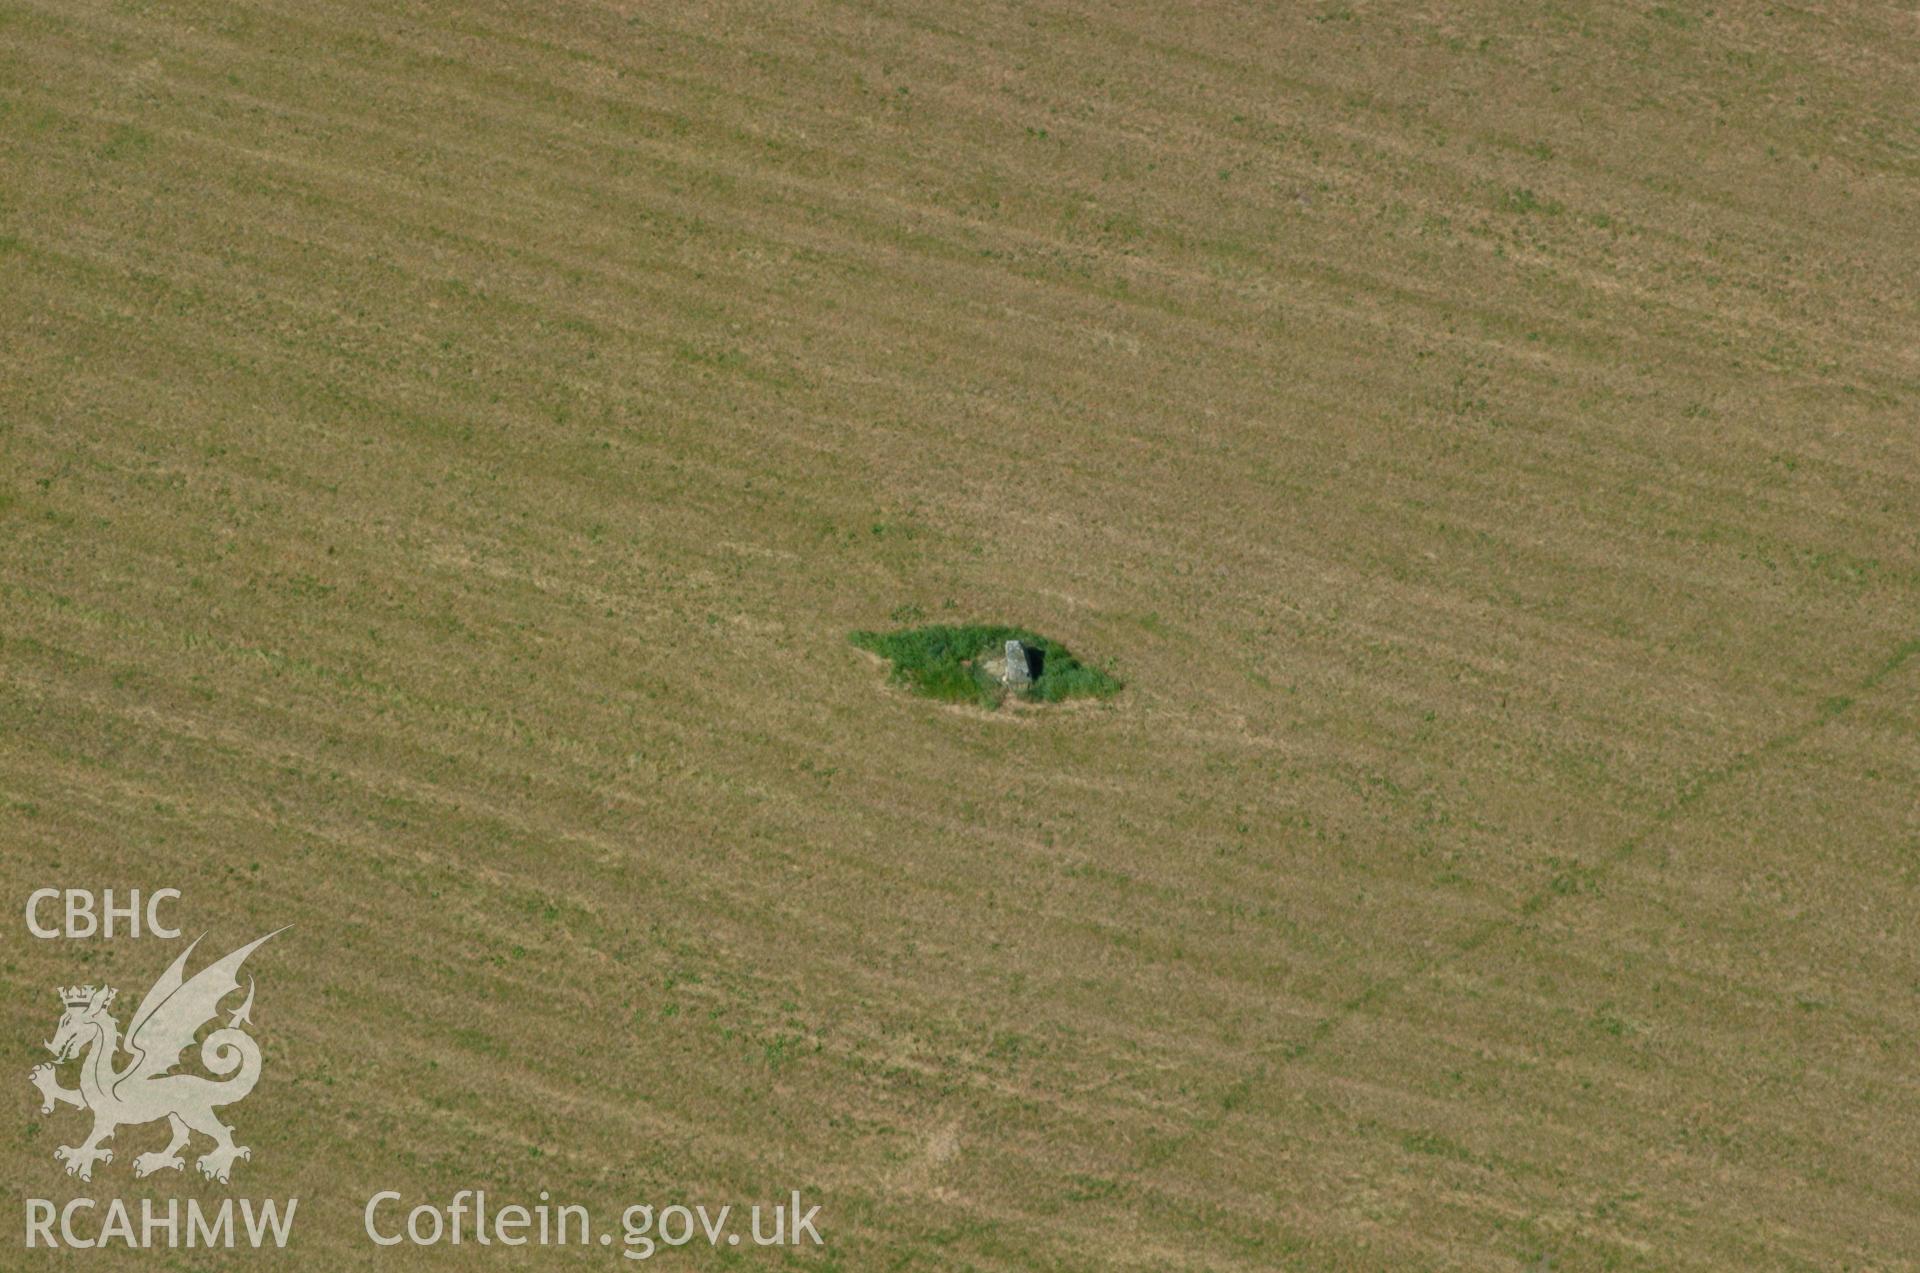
946 662
421 520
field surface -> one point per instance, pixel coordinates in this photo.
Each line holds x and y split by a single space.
444 447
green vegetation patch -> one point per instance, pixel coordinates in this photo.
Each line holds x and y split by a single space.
948 662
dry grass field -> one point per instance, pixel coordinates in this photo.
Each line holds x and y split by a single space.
444 447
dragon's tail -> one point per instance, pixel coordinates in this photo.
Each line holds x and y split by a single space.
234 1057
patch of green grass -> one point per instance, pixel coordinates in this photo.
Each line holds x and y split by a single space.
1524 201
945 661
127 142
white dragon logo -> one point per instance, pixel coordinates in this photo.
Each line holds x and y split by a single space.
143 1090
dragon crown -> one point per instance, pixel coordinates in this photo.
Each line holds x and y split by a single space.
81 996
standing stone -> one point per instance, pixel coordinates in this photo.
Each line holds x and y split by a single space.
1019 672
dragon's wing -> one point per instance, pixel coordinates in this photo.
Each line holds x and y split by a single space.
174 1010
161 990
